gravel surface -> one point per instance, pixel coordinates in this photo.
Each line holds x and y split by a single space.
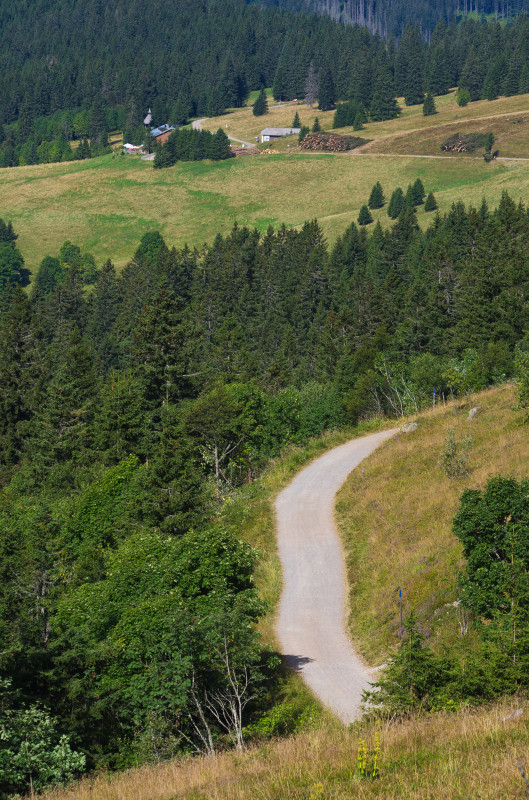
312 619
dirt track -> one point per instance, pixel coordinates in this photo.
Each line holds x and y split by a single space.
311 624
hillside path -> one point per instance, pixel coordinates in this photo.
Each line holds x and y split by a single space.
197 126
312 616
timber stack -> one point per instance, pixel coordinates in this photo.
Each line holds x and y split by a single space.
331 142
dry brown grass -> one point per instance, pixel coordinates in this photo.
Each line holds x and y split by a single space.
396 517
470 755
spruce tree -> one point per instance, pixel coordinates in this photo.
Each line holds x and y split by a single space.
316 128
428 108
364 217
384 106
303 132
418 192
523 87
326 93
376 198
296 122
431 203
396 203
358 124
260 107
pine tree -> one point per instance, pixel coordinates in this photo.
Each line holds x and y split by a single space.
326 93
364 217
418 192
260 107
296 122
316 126
396 203
358 124
428 108
83 149
431 203
376 198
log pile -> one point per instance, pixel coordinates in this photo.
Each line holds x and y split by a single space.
466 143
237 151
331 142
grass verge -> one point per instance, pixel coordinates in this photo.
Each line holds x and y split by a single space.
395 518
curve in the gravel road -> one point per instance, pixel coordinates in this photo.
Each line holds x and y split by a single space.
312 620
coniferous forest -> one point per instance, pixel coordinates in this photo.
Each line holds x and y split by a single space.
134 404
78 69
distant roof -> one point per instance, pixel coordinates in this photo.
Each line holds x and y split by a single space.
148 118
279 131
162 129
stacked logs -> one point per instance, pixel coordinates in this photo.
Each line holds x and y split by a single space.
331 142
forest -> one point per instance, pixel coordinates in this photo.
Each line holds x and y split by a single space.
74 71
134 405
391 16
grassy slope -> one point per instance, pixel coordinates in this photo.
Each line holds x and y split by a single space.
106 204
396 518
464 756
396 534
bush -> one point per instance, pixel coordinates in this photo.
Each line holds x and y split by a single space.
454 456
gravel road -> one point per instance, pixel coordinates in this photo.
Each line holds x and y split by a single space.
312 616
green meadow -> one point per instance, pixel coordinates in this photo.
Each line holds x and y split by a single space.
107 204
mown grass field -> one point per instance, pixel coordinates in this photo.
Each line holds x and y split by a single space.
396 517
107 204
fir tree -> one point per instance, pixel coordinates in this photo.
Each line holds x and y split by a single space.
316 128
428 107
303 132
376 198
326 92
260 107
364 217
358 123
418 192
384 106
296 122
396 203
431 203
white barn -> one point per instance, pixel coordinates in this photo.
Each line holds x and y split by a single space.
269 134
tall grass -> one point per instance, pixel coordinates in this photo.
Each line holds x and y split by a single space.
471 755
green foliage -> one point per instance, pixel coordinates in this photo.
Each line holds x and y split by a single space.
296 122
33 754
303 132
316 128
11 264
462 97
260 107
396 203
428 108
364 217
454 456
431 203
192 145
412 677
376 198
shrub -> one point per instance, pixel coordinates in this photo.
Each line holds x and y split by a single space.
454 456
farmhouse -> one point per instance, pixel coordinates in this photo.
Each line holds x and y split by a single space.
269 134
162 133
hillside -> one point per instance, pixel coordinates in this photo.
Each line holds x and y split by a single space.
105 204
452 754
408 541
391 15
